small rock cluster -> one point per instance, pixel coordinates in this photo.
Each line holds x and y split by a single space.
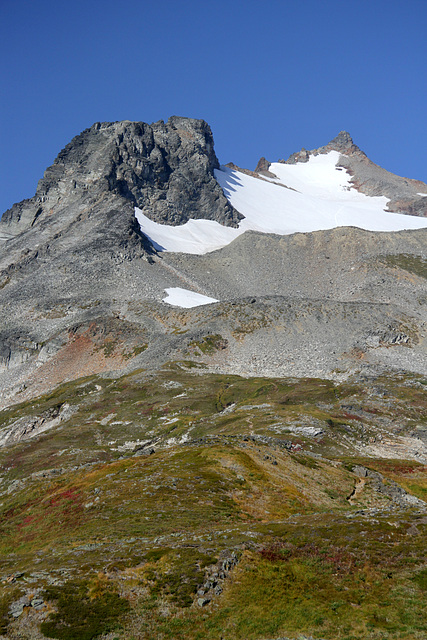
35 601
214 583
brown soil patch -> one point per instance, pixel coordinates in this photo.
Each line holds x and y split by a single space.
79 358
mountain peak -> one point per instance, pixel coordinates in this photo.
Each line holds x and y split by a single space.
342 140
166 169
343 143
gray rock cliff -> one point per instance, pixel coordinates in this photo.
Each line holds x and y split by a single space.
165 169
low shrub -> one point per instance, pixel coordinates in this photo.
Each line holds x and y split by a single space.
80 616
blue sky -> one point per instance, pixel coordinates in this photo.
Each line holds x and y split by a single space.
269 77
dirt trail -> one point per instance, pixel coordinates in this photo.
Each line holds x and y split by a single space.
358 488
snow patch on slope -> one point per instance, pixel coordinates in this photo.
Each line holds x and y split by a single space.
195 236
185 298
304 197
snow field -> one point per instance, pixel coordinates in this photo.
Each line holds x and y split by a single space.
304 197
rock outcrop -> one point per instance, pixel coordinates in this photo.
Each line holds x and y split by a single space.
389 488
76 248
343 143
165 169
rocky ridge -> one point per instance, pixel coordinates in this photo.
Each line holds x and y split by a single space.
367 177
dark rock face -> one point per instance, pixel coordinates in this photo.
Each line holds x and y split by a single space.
77 244
343 143
76 248
165 169
263 167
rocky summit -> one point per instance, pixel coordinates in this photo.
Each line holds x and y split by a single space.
213 394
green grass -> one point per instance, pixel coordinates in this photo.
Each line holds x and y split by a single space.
6 600
179 575
81 613
328 580
411 263
209 344
421 579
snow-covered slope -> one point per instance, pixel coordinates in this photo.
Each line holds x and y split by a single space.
304 197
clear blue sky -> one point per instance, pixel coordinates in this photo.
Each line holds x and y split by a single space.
269 77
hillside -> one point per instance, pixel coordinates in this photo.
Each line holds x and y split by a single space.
212 395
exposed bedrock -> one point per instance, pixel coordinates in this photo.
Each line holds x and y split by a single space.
166 169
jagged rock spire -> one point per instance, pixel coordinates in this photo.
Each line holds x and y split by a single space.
343 140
